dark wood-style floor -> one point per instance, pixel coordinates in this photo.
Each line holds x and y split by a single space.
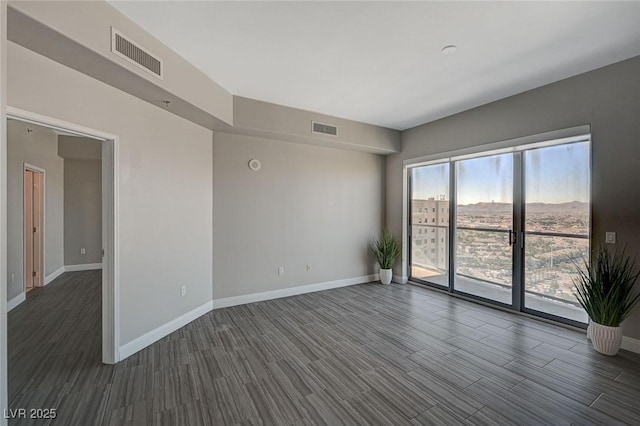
367 354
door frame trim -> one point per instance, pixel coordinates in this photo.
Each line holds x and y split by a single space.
111 240
27 166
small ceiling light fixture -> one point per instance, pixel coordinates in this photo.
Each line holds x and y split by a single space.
166 103
449 50
254 164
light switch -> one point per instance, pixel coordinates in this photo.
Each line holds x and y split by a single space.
610 237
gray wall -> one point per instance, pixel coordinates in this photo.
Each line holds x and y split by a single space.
79 148
307 205
607 98
38 148
164 187
82 211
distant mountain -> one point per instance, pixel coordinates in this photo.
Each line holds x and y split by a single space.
484 207
573 206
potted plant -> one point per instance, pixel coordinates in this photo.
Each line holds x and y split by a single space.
386 250
605 290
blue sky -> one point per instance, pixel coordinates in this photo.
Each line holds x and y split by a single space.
554 174
558 174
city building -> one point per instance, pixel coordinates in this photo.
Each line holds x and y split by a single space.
430 222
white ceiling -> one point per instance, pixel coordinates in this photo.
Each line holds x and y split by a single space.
380 62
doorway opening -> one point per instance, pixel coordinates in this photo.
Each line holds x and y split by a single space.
34 189
97 257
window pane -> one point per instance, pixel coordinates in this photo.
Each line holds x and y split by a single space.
557 181
557 189
430 223
485 192
484 216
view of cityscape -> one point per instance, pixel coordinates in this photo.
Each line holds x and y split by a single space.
556 191
550 261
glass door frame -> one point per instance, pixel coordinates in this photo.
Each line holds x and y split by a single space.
517 259
409 228
524 233
581 134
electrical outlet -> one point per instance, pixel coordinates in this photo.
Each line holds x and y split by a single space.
610 237
183 290
308 268
83 251
281 270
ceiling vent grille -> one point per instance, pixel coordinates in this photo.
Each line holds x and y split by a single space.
325 129
124 47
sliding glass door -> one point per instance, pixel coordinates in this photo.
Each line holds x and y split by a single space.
512 227
484 227
556 227
429 223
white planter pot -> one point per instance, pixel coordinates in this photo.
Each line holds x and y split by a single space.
386 275
605 339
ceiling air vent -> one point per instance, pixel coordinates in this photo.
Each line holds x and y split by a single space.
124 47
325 129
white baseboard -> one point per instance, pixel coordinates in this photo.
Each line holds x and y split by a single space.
399 279
292 291
632 345
164 330
52 276
82 267
71 268
16 301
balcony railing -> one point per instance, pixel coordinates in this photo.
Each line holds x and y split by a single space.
485 256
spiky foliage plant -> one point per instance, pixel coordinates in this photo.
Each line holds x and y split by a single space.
386 249
604 288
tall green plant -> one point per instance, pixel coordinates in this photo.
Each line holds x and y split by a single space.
386 249
604 288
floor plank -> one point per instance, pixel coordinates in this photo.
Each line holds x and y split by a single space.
362 355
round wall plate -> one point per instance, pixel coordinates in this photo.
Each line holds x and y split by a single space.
254 165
